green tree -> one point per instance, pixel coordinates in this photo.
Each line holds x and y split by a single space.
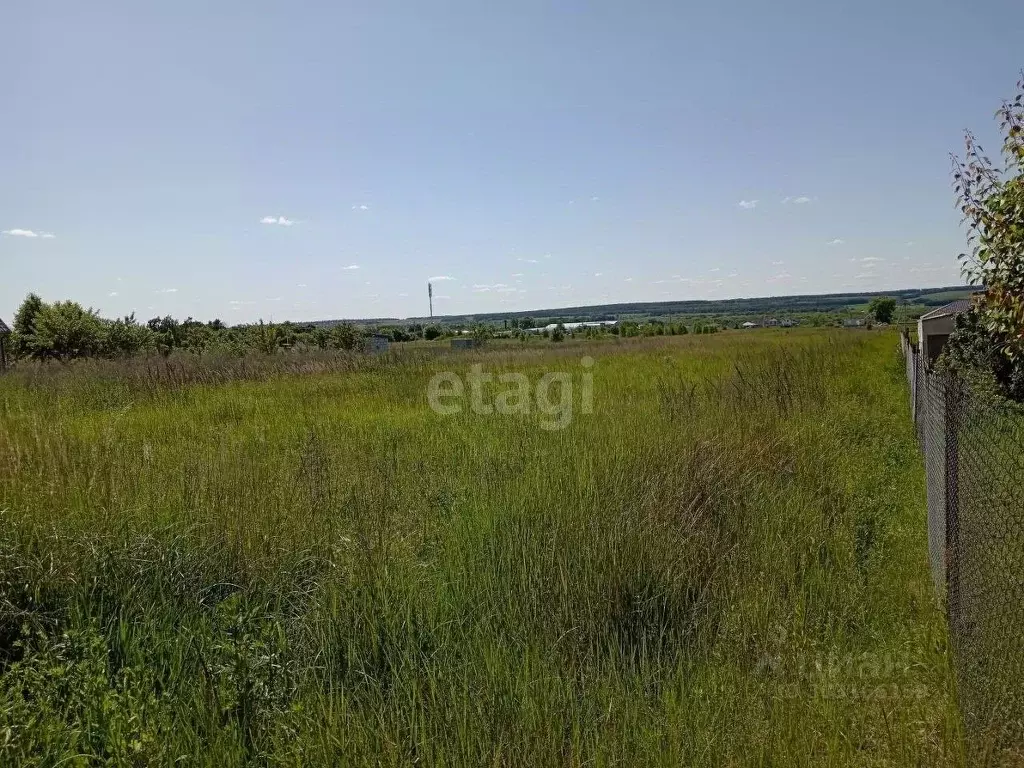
66 330
345 336
125 337
882 308
23 338
991 200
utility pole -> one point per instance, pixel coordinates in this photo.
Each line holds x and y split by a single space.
430 298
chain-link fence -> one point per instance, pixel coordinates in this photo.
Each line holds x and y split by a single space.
973 445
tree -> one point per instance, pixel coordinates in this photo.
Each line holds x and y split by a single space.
125 337
882 308
991 200
66 330
345 336
23 338
431 332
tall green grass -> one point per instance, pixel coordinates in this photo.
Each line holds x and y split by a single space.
724 565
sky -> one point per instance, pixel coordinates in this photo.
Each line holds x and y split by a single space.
317 160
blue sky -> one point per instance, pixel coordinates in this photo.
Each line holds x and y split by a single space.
309 160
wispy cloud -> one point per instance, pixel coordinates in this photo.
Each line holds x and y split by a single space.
871 259
167 290
628 280
300 285
281 221
112 293
715 269
351 266
595 198
782 276
360 207
438 278
778 263
748 204
598 274
835 241
28 233
528 261
801 200
481 288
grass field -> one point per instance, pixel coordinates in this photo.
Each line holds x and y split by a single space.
724 564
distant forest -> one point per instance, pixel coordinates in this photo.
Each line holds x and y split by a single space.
821 302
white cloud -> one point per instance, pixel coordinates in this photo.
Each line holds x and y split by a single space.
628 280
167 290
779 277
836 241
595 198
796 200
281 221
300 285
871 259
480 288
598 274
748 204
351 266
778 263
715 269
529 261
517 274
438 278
112 293
28 233
360 207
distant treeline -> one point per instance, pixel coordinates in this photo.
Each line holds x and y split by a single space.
66 330
750 307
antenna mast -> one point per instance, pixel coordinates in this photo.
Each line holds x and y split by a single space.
430 298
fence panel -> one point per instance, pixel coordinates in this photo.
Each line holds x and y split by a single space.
973 446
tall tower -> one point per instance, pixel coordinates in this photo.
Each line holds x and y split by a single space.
430 298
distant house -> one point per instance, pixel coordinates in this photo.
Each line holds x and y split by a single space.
466 343
5 334
934 328
787 323
853 322
770 322
749 324
573 326
377 343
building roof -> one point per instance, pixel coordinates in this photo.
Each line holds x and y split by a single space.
3 328
953 308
